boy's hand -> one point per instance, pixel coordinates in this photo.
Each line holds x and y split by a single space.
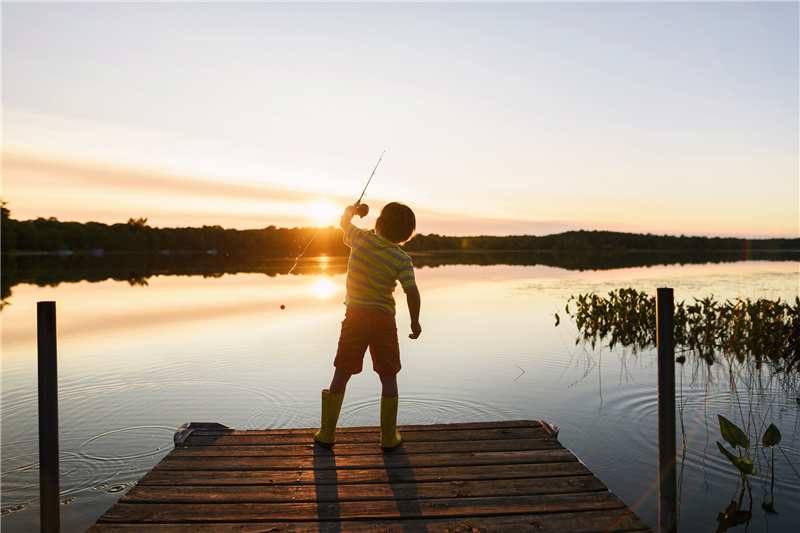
347 216
412 297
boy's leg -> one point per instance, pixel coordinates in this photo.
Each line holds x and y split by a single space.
385 352
388 386
331 405
390 437
339 381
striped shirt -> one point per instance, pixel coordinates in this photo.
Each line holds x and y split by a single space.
376 265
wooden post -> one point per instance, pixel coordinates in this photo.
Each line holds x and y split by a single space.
49 483
667 481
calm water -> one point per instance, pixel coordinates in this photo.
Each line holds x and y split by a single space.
138 360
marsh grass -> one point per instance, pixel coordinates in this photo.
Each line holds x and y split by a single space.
738 338
759 332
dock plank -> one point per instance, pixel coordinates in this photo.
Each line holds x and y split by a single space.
366 448
312 462
366 491
618 520
372 509
366 435
399 475
506 476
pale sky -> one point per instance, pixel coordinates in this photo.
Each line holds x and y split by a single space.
513 118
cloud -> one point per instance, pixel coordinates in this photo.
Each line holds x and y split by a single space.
25 170
78 190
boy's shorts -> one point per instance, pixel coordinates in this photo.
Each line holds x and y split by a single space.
368 327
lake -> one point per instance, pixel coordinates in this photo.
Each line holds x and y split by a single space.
143 350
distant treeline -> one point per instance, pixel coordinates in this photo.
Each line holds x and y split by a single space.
52 235
600 241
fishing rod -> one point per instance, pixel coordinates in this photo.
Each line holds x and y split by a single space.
361 209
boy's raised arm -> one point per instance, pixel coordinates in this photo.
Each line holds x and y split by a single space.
413 300
347 216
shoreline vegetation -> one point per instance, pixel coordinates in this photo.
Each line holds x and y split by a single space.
47 252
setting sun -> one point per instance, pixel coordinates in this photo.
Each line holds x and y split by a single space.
324 212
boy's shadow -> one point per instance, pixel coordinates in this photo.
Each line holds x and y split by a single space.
403 484
399 474
326 486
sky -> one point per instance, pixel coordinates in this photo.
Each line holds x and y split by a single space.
495 118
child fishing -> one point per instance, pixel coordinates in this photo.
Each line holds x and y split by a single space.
376 264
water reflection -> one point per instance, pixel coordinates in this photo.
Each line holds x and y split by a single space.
324 288
201 344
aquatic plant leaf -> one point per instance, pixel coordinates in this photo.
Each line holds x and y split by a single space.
726 453
745 466
732 434
771 437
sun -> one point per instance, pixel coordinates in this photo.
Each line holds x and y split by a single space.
323 212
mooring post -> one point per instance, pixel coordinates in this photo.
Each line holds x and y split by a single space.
49 485
667 480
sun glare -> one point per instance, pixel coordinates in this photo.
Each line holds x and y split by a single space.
323 289
324 212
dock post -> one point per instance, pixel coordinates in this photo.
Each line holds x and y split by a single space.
667 482
49 482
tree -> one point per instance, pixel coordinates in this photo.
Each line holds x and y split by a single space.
8 229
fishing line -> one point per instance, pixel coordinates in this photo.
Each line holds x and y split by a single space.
303 252
363 209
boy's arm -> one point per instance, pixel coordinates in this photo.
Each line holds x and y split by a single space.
413 300
347 216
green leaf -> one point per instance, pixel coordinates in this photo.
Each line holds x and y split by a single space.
744 465
726 453
732 434
771 437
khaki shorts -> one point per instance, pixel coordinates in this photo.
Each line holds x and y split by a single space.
373 328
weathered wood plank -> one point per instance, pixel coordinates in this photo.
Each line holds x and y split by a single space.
395 475
346 510
462 426
387 460
372 448
363 492
261 438
619 520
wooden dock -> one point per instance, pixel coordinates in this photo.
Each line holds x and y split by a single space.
458 478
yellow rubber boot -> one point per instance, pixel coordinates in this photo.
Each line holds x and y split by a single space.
331 405
390 437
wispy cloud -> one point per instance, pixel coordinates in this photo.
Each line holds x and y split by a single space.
78 190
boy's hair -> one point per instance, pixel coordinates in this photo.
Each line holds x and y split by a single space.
396 222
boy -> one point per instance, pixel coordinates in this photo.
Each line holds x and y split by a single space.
376 264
